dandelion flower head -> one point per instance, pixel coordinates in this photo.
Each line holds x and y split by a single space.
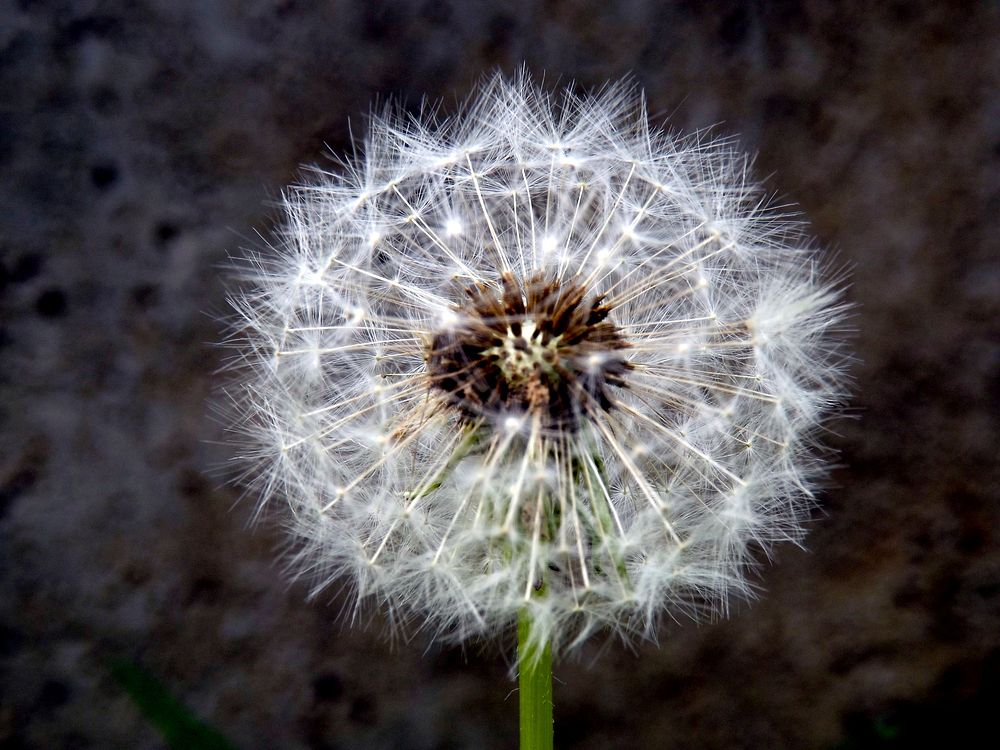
539 356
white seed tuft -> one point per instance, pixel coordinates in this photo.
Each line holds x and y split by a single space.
539 355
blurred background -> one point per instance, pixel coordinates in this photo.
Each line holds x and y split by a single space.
142 142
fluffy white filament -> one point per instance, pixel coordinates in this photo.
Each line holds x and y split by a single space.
647 508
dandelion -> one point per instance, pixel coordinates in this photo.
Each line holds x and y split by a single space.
538 362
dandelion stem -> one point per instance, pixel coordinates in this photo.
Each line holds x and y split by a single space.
535 686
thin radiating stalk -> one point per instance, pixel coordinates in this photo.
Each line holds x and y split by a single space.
535 687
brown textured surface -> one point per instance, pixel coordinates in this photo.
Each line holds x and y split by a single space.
463 363
139 144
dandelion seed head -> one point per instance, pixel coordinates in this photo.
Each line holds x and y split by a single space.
538 356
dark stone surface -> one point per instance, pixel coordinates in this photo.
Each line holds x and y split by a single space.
140 142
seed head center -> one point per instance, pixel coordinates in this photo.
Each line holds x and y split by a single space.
522 355
538 345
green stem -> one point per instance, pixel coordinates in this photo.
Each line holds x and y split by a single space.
535 687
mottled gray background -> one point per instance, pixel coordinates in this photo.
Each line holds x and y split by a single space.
142 141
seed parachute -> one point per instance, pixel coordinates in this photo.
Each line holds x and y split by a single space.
541 357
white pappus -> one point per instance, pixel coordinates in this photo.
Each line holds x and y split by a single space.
539 355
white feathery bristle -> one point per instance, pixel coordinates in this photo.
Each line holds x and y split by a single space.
460 438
